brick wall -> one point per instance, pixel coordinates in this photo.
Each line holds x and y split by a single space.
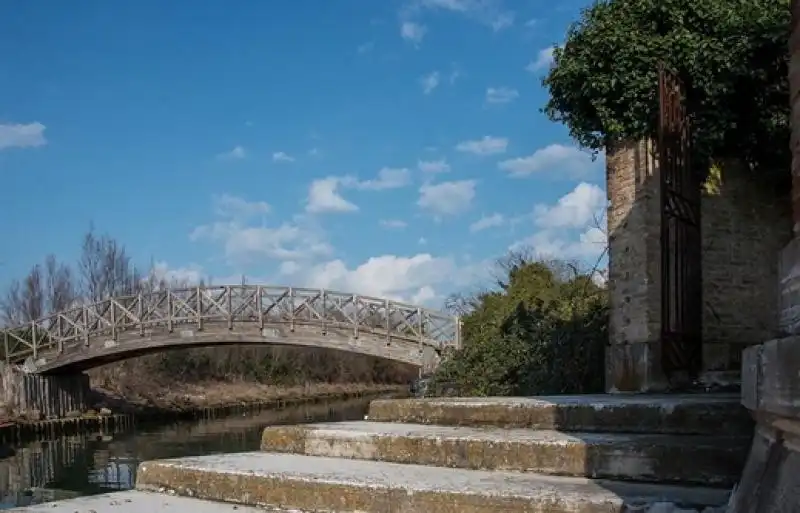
633 356
743 228
745 224
789 264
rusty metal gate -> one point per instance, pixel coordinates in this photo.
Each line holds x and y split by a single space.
681 273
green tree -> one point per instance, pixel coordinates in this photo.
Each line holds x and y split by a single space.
542 331
732 55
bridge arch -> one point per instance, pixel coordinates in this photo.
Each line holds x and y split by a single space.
123 327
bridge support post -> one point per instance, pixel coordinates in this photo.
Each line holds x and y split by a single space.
41 396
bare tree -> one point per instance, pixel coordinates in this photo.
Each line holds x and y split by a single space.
106 269
59 288
25 301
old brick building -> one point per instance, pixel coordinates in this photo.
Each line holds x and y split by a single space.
745 224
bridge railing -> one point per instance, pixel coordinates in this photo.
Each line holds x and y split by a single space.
144 314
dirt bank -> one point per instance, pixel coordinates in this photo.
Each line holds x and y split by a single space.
185 397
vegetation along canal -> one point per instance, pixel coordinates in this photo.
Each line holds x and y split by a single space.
103 462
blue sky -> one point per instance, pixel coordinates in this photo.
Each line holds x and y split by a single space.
389 148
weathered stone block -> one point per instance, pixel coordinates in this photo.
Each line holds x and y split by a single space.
779 378
702 460
635 367
751 377
311 483
789 272
711 414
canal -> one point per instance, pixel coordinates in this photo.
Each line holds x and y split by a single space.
96 463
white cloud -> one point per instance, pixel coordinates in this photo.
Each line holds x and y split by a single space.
429 82
234 207
248 244
324 196
576 209
280 156
455 74
425 295
569 228
488 12
388 178
501 95
543 60
181 276
413 32
447 198
366 47
433 166
243 242
487 145
486 222
17 135
237 153
396 224
553 158
588 246
404 278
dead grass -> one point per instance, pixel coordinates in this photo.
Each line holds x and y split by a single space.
215 394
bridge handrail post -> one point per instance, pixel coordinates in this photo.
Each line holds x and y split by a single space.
34 342
260 307
291 309
199 301
60 332
113 308
458 332
420 324
170 327
85 320
386 306
229 292
324 296
140 314
355 315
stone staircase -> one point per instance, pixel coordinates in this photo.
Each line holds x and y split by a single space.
574 454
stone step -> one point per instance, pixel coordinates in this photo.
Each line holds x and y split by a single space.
134 501
693 459
700 414
315 483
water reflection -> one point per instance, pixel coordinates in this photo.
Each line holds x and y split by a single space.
104 462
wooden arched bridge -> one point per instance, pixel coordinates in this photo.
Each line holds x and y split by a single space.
123 327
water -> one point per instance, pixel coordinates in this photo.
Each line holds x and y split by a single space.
103 462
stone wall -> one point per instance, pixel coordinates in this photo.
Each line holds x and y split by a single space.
743 223
743 220
770 387
790 257
633 355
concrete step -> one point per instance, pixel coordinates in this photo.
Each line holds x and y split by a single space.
315 483
693 459
133 501
700 414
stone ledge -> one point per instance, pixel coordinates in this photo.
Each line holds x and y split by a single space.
703 460
329 484
771 391
138 502
771 377
701 414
